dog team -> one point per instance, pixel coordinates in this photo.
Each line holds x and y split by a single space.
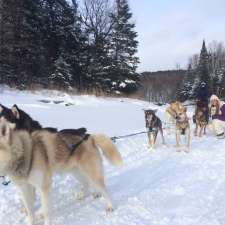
31 154
176 116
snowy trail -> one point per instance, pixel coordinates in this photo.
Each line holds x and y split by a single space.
159 187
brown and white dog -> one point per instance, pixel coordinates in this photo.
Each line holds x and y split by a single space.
182 127
201 119
31 159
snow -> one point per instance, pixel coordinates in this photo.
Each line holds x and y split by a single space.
159 187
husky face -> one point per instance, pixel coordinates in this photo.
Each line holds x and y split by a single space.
149 117
181 114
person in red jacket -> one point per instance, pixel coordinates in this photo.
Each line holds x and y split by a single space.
217 109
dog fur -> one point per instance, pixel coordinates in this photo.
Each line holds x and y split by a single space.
170 115
182 126
23 121
153 125
30 160
173 108
201 121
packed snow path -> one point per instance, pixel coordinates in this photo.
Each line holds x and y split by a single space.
159 187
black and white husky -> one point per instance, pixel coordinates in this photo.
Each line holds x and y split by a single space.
153 125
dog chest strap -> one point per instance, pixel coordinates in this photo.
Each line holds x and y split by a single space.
73 147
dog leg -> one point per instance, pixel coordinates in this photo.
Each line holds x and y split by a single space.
196 129
154 138
187 139
163 139
200 132
28 201
85 185
45 203
204 130
178 140
100 187
94 174
151 140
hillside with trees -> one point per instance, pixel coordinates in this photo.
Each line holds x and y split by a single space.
53 43
160 86
208 67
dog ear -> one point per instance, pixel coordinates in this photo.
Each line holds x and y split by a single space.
15 111
185 109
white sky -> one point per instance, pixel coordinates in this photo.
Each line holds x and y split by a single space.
170 31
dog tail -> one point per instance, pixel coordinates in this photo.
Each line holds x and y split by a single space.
108 148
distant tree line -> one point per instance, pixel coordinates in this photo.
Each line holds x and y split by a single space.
160 86
207 67
53 43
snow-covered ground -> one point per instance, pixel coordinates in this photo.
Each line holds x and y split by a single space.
160 187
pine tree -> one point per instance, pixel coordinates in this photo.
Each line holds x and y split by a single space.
77 49
60 42
62 76
222 86
123 49
203 73
20 41
185 92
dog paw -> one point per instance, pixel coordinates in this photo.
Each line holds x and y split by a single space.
39 215
151 148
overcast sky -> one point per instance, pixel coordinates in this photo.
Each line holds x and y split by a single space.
172 30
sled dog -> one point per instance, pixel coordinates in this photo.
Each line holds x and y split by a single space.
201 121
153 125
182 127
31 159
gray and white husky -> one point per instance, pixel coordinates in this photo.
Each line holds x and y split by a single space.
31 159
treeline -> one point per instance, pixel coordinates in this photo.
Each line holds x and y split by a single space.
208 67
53 43
160 86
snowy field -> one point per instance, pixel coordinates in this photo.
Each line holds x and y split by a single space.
160 187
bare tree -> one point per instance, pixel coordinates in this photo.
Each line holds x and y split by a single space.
96 17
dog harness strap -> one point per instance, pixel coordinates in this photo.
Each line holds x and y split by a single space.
73 147
184 124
